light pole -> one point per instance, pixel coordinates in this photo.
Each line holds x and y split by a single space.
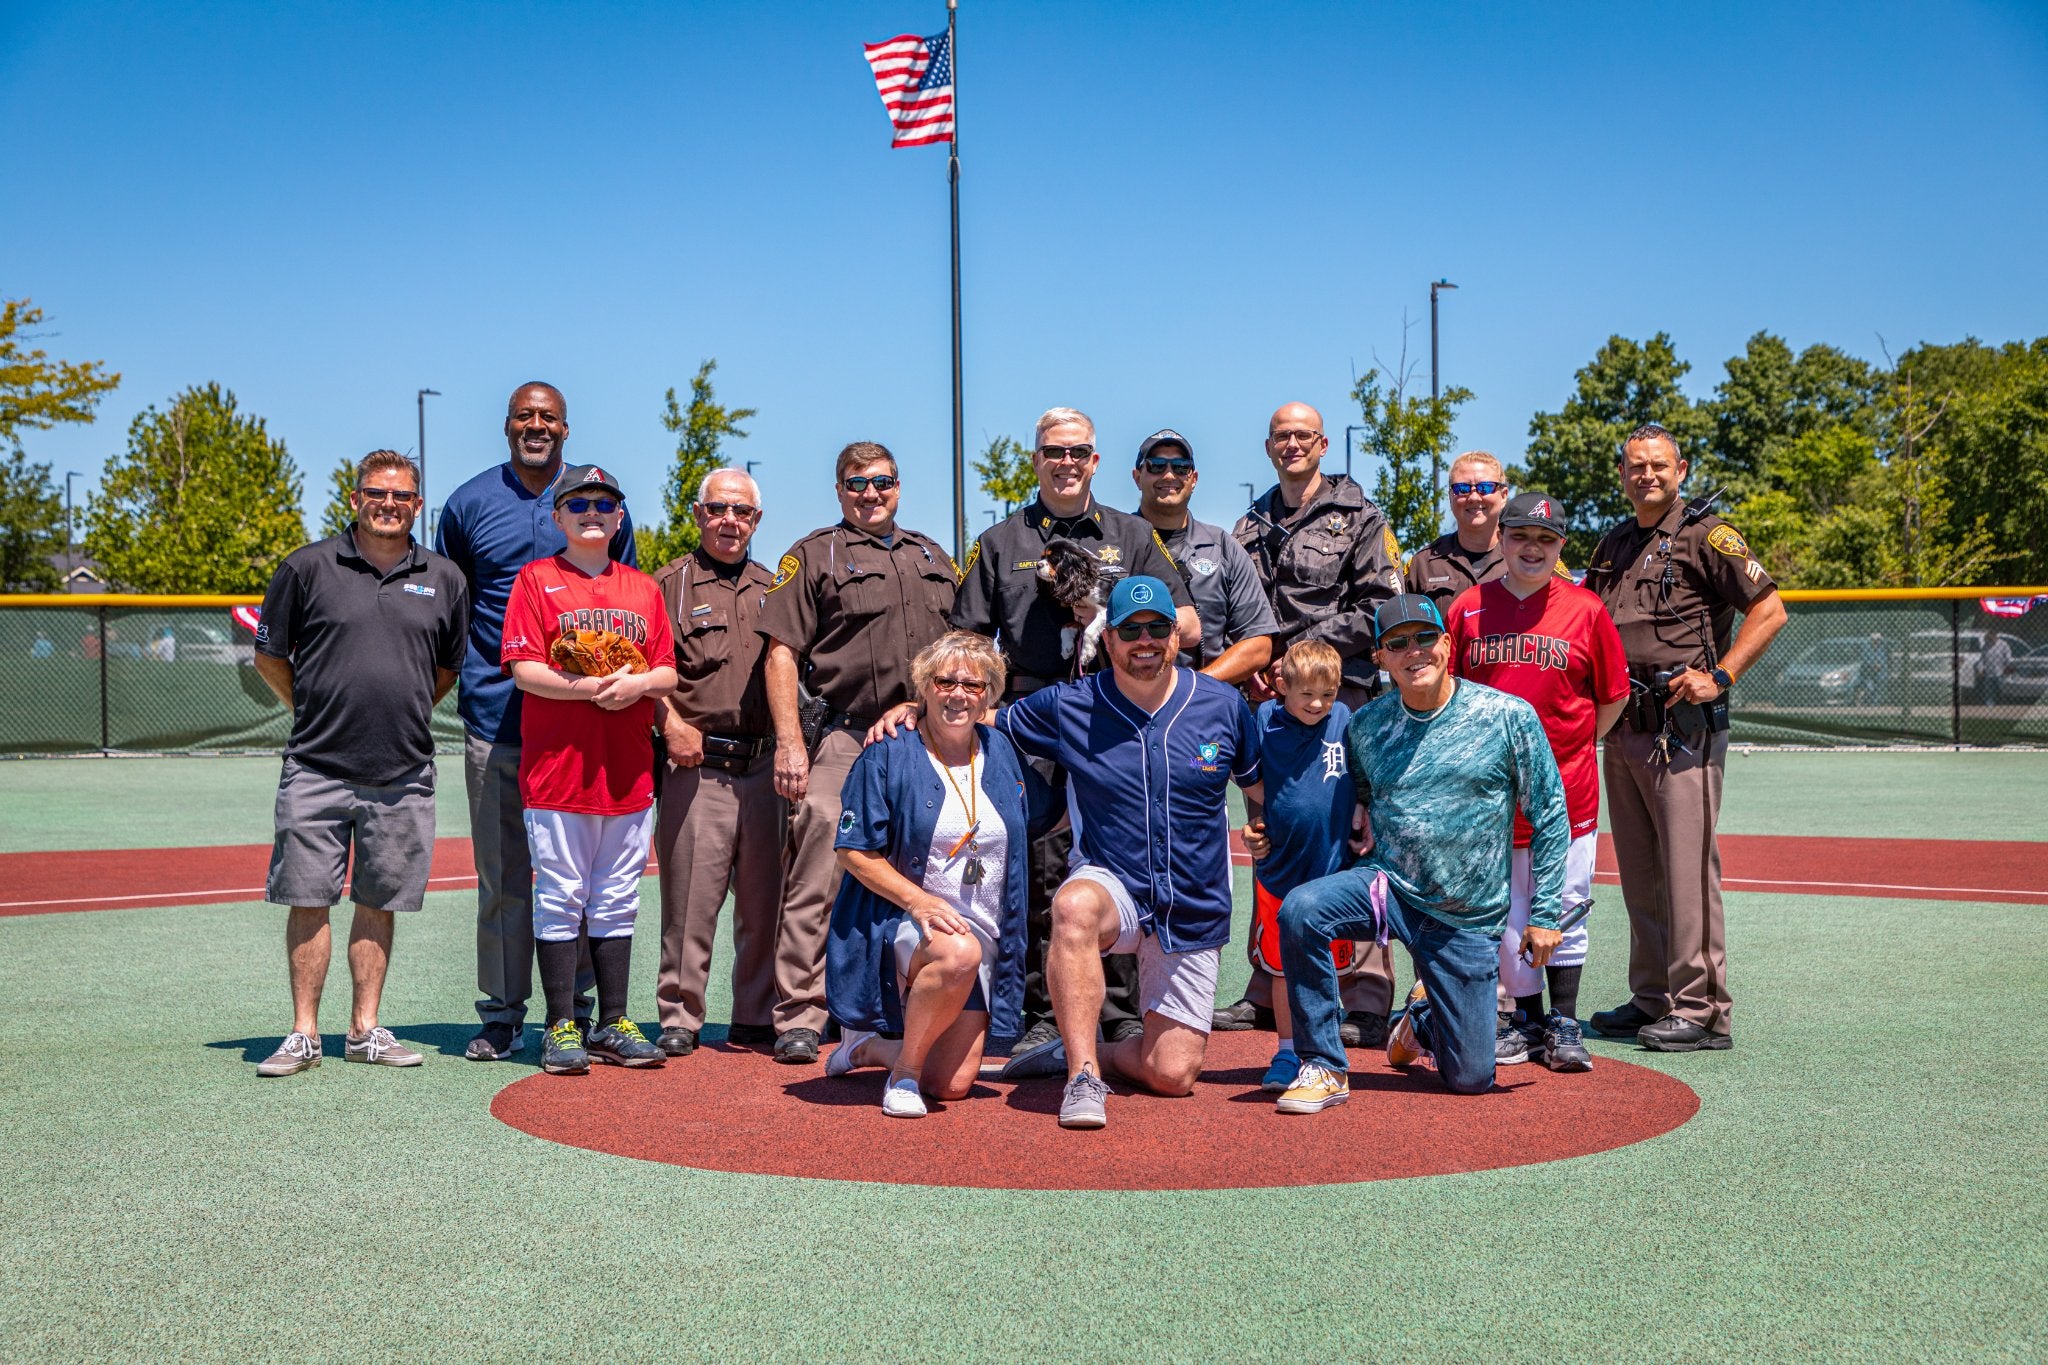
1347 448
423 396
1251 493
750 466
70 522
1436 456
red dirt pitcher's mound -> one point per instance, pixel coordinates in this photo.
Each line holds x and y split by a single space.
727 1109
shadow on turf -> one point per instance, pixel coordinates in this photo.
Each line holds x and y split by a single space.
836 1093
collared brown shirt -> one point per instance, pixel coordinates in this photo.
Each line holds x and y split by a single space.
1444 568
857 610
1713 575
719 648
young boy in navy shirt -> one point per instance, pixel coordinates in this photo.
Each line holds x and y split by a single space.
1306 827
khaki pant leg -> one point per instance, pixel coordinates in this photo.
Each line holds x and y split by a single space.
810 881
1697 958
763 826
1634 814
695 833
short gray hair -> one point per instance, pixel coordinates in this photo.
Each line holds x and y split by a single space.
1056 417
728 470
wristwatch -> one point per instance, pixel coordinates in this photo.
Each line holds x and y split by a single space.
1723 679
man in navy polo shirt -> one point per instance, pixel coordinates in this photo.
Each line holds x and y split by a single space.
1150 749
492 527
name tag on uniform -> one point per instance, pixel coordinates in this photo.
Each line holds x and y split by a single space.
701 611
1024 564
420 588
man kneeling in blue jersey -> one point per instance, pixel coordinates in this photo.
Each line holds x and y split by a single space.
1440 767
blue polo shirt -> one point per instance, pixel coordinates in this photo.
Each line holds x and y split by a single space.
1309 796
492 527
1152 791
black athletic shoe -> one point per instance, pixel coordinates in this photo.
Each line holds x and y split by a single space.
1624 1021
677 1042
1362 1028
1038 1053
1125 1028
750 1035
495 1042
798 1047
621 1043
1241 1017
562 1051
1673 1034
1562 1048
1516 1040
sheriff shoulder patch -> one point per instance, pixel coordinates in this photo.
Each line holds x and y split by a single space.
1728 541
788 569
1393 545
973 554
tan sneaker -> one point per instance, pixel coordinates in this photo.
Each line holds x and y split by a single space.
1315 1089
1403 1047
298 1052
380 1047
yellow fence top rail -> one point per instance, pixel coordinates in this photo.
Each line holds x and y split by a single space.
1903 594
125 599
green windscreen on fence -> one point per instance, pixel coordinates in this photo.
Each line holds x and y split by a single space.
166 679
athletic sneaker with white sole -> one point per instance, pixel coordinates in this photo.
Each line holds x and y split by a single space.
1516 1040
561 1049
298 1052
901 1100
621 1043
1404 1048
1040 1052
1280 1075
1082 1106
1315 1089
1564 1047
380 1047
840 1062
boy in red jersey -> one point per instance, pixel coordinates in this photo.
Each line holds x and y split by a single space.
1538 635
586 771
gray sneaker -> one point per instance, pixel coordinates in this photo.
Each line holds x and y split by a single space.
1516 1040
296 1053
380 1047
1081 1106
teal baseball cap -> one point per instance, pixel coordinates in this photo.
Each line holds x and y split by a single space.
1140 593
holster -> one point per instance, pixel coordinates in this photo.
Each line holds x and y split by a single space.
1646 699
812 716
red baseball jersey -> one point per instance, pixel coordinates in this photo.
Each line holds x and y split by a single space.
1558 650
575 755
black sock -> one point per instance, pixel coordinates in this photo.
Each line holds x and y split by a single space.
612 960
1531 1007
558 976
1564 990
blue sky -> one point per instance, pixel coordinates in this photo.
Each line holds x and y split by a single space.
1172 215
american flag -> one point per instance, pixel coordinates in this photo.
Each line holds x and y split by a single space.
915 78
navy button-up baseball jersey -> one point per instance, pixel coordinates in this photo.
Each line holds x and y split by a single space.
1152 789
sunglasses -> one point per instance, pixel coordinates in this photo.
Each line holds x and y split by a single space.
1066 454
579 506
739 511
860 483
1421 639
970 687
392 495
1156 464
1148 630
1485 488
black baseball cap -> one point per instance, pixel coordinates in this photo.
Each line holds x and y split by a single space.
581 478
1409 609
1533 509
1165 436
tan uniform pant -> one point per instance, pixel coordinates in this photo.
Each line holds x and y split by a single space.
1663 818
810 881
718 831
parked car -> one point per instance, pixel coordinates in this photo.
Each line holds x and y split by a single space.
1981 660
2026 677
1838 670
197 642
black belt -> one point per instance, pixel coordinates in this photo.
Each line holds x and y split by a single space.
846 720
1024 684
735 753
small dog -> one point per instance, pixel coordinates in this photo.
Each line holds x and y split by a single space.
1075 576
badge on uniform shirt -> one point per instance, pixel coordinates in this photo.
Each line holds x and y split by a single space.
422 589
789 568
1203 566
1336 523
704 610
1109 554
1728 541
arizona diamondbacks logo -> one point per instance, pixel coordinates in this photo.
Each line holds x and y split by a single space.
1333 760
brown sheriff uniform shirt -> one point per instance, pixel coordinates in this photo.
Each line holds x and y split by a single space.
856 611
1713 576
1443 568
719 649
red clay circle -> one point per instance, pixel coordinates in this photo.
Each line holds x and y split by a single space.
731 1109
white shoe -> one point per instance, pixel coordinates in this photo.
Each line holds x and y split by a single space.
841 1061
902 1100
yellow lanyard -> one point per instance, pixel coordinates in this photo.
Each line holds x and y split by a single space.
968 801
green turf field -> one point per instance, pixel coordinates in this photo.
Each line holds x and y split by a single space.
1863 1179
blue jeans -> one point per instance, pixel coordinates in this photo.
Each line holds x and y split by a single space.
1459 968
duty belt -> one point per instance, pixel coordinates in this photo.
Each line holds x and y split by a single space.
735 753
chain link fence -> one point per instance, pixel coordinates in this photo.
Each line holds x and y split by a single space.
164 677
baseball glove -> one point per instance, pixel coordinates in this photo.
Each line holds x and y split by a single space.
596 653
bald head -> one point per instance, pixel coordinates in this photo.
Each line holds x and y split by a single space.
1295 444
1291 415
536 425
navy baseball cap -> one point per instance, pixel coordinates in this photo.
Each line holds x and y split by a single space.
1533 509
1138 594
581 478
1165 436
1409 609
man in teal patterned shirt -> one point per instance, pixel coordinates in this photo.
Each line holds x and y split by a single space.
1440 767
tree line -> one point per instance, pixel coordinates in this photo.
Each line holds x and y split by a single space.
1930 469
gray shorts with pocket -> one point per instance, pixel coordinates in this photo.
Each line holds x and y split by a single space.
319 818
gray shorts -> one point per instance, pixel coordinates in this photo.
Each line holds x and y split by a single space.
1178 986
319 818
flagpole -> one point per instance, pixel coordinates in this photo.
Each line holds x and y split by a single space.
953 181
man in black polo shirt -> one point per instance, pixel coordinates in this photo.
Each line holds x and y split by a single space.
360 635
1001 596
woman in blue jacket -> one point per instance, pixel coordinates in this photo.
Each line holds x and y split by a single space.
927 933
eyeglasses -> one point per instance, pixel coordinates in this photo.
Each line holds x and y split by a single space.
1066 454
392 495
738 511
1485 487
1156 464
966 687
1148 630
860 483
1295 438
1421 639
581 505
